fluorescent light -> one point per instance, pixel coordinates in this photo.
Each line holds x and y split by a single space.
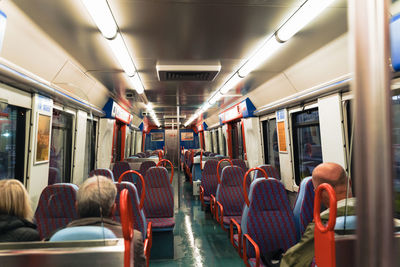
306 13
268 48
121 53
232 82
217 96
137 84
102 16
205 107
149 106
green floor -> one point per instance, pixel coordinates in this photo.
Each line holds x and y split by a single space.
198 239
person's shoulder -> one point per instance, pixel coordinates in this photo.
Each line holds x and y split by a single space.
25 233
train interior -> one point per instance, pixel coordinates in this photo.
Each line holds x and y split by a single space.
186 105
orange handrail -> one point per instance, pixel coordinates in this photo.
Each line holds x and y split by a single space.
127 224
172 168
218 176
246 197
325 253
142 195
201 159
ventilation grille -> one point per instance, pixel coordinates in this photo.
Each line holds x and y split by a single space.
187 72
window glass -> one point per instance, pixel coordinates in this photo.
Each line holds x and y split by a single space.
271 150
12 128
396 152
61 146
90 147
307 143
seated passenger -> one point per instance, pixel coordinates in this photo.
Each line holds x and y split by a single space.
302 253
16 213
98 193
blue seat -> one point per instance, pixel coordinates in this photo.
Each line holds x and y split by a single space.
196 171
304 206
103 172
82 233
267 220
270 170
241 163
346 222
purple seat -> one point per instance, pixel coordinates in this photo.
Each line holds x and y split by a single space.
240 163
270 170
159 199
304 206
54 176
56 208
230 194
119 168
145 166
209 180
140 222
268 219
103 172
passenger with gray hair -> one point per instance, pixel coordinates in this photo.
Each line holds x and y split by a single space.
95 204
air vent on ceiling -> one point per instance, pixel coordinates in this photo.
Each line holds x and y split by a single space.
187 72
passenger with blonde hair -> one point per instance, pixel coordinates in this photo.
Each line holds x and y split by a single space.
16 213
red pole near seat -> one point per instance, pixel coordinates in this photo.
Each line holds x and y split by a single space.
127 225
324 236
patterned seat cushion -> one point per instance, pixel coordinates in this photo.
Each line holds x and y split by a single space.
119 168
241 163
304 206
162 222
252 262
209 179
56 208
103 172
145 166
270 170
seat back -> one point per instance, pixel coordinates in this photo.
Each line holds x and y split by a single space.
82 233
139 218
270 170
230 190
54 176
145 166
268 219
241 163
119 168
103 172
159 199
304 206
209 179
56 208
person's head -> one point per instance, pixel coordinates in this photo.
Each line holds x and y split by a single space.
335 175
96 192
14 199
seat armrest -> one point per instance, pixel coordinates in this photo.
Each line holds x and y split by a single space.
231 233
256 249
150 233
202 195
147 251
212 204
219 213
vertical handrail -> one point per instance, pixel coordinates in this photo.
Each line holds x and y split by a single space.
127 225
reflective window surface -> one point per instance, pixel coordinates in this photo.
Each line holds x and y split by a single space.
90 147
396 152
12 143
271 149
307 143
61 147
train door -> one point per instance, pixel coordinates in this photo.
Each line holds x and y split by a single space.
61 145
236 137
119 141
90 153
171 146
221 141
12 142
270 138
307 143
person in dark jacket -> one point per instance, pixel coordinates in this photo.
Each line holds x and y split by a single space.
96 205
16 213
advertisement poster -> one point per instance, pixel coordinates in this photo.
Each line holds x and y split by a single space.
42 139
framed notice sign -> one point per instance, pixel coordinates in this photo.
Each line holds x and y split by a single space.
280 125
157 136
42 139
186 136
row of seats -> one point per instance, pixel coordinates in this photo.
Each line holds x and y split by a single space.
154 211
266 219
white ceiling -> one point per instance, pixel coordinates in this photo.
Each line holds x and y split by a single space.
184 31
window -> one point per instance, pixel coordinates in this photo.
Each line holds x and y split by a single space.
61 146
307 143
90 153
215 141
12 128
396 152
117 143
222 141
270 137
237 140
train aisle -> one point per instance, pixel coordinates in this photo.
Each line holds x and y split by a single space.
198 239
